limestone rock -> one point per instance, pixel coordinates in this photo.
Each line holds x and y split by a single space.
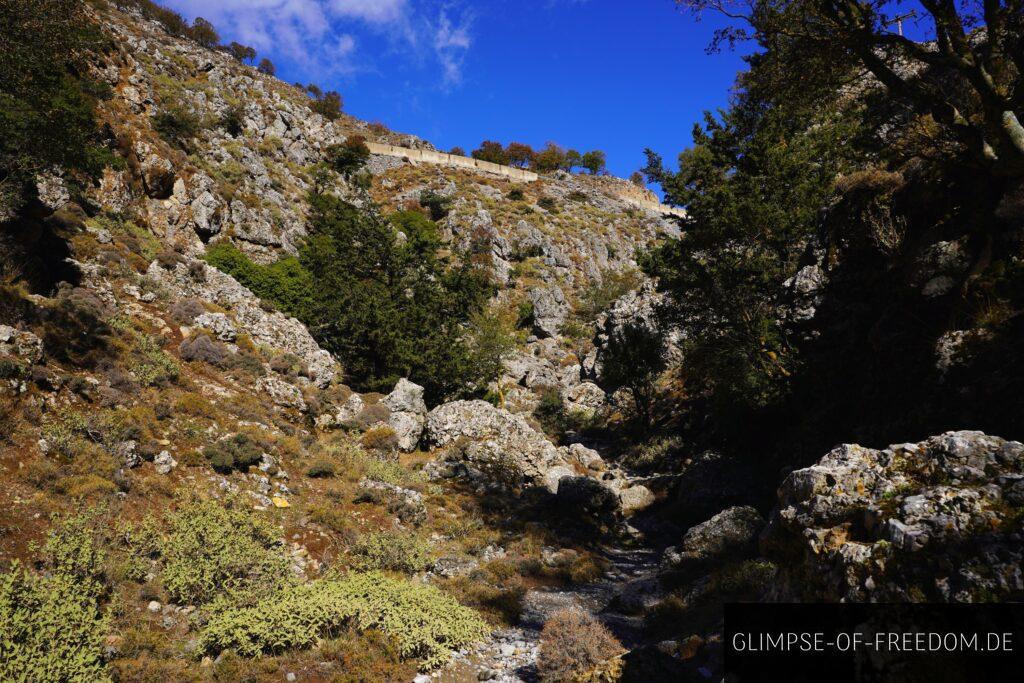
731 534
25 345
549 310
406 397
497 440
282 393
932 520
219 324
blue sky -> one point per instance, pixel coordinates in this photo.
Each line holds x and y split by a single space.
610 74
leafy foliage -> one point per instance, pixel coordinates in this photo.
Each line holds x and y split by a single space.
211 549
50 629
753 184
284 283
634 359
426 623
328 105
47 101
404 551
390 308
238 452
491 151
348 157
177 124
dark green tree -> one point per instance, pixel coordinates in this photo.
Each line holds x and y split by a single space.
389 306
328 105
47 100
594 161
242 53
981 112
551 158
348 157
519 154
266 67
204 33
634 359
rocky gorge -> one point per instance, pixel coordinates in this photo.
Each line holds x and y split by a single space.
199 479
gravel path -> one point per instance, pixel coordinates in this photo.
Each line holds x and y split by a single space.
510 656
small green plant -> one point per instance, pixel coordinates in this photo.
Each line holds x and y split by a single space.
438 205
322 468
238 452
426 623
212 548
178 125
74 548
516 194
50 629
404 551
154 367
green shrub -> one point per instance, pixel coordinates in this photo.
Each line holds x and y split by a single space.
322 468
516 194
238 452
285 283
438 205
50 629
550 412
328 105
177 125
380 438
75 328
74 548
426 623
600 294
233 120
400 551
349 156
212 549
155 367
548 204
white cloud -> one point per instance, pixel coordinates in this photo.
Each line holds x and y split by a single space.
375 11
321 35
451 41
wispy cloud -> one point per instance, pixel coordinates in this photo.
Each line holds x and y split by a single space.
323 36
451 42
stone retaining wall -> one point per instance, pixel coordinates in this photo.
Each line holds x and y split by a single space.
520 174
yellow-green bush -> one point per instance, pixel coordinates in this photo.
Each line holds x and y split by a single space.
404 551
74 548
50 630
426 623
213 548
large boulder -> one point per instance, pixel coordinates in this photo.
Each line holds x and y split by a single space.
408 413
549 310
19 343
492 439
938 520
729 535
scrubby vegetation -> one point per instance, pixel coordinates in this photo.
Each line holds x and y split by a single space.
426 623
573 643
50 629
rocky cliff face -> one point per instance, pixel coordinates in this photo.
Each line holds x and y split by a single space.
247 181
